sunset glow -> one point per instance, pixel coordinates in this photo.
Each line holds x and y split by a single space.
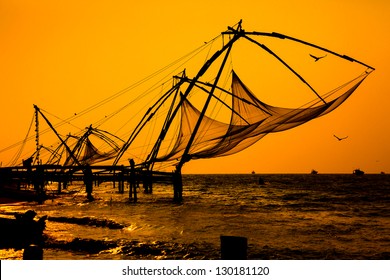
68 56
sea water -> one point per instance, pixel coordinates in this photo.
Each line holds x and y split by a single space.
288 216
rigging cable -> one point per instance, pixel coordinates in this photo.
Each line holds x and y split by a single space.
110 98
17 155
136 84
157 84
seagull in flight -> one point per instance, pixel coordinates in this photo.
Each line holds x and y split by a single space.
342 138
316 58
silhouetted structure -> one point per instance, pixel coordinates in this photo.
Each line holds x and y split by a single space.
224 119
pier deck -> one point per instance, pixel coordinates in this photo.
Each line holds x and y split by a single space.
39 175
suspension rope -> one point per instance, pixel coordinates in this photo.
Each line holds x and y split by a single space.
17 155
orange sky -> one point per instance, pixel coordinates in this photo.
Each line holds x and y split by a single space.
65 56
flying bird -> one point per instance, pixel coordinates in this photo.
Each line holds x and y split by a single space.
316 58
342 138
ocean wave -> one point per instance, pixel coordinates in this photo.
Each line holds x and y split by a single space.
135 249
157 250
88 221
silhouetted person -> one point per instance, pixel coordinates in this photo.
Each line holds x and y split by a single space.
39 183
28 164
121 176
177 187
88 181
133 186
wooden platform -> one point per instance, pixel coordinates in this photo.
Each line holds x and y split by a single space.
14 178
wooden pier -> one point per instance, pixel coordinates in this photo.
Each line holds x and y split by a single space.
16 178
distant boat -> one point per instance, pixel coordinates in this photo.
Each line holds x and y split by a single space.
314 171
358 172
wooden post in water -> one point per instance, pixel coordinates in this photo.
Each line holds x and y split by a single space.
135 191
131 185
88 181
177 186
121 183
113 179
233 247
147 181
150 180
132 181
